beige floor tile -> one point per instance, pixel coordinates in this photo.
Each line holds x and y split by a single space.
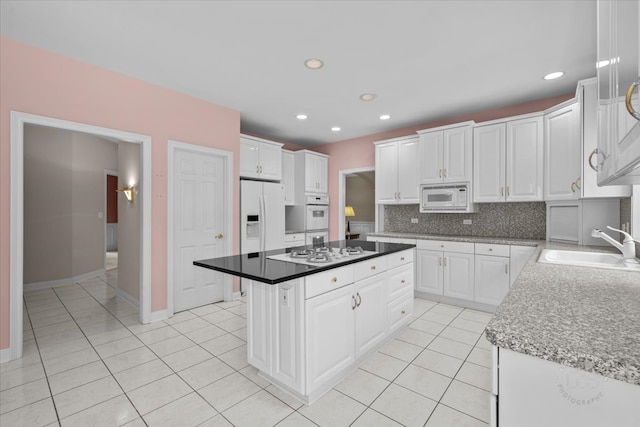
64 348
284 396
205 373
77 376
109 336
333 409
421 306
47 340
190 410
114 412
228 391
23 395
240 310
443 416
427 326
468 325
484 343
157 394
171 345
438 362
423 381
371 418
86 396
460 335
480 357
233 324
205 309
259 410
143 374
296 420
180 317
39 413
52 329
362 386
476 316
384 366
30 356
404 406
188 357
139 328
217 421
205 334
401 350
222 344
21 376
190 325
95 328
159 334
241 333
118 346
230 304
442 318
129 359
138 422
447 309
236 358
450 347
218 316
468 399
475 375
252 373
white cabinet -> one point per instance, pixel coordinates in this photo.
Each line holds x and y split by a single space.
370 312
445 268
288 177
429 272
508 161
311 168
445 154
260 159
294 239
397 171
563 153
519 256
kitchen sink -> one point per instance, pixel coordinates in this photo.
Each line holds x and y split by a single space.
588 259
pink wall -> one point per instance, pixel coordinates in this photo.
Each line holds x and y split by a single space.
38 82
359 152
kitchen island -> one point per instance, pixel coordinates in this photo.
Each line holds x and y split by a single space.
310 325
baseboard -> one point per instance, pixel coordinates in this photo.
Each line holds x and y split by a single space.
235 296
6 355
60 282
455 301
156 316
128 298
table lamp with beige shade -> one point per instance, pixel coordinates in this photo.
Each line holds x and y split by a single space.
349 212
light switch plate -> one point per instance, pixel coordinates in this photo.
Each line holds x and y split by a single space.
467 221
414 220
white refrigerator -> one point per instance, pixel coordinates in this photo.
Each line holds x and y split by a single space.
261 216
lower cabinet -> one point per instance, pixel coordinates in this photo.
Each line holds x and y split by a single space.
492 279
445 272
458 275
370 312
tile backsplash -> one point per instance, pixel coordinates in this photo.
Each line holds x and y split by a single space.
525 220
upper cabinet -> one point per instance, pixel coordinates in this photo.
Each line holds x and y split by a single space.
397 171
563 153
508 161
312 169
618 155
288 177
260 159
445 154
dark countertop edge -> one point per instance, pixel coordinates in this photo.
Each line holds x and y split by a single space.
395 247
294 232
460 238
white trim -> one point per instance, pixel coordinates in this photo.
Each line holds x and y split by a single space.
59 282
128 298
342 193
236 296
227 157
159 315
18 120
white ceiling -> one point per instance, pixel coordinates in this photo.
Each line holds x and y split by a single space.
426 60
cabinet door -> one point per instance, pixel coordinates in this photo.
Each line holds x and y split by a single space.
458 275
386 173
249 158
429 272
519 257
330 332
525 160
310 179
492 279
371 312
457 155
430 152
288 177
562 143
321 172
270 162
489 163
408 181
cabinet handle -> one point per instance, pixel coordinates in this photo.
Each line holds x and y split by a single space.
598 166
490 249
257 169
440 261
401 258
219 236
506 269
627 99
353 302
508 191
445 262
334 280
402 281
373 267
501 191
573 187
399 195
440 173
442 246
403 312
578 182
359 299
444 172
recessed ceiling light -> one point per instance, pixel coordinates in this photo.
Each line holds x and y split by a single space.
368 96
313 63
335 129
301 116
385 117
555 75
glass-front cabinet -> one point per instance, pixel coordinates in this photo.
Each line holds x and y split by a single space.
617 158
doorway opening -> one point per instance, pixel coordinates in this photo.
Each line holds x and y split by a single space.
357 192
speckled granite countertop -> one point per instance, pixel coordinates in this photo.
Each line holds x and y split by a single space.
471 239
586 318
294 232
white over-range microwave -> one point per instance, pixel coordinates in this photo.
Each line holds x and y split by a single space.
446 198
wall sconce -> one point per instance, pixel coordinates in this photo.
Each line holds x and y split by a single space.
129 192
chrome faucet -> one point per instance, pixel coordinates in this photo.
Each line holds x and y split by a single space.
627 247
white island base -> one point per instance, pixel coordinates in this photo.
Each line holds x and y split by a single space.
307 335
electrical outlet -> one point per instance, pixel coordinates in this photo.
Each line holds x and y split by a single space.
414 220
467 221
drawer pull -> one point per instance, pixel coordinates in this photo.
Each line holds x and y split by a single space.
442 246
402 281
353 302
401 258
403 312
490 249
373 267
334 280
358 299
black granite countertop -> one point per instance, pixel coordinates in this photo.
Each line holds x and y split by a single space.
256 266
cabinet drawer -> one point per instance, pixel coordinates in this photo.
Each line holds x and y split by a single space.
370 267
400 310
400 279
400 258
295 237
491 249
446 246
327 281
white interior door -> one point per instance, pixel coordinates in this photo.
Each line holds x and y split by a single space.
199 182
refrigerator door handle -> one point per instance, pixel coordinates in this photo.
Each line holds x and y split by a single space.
263 230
